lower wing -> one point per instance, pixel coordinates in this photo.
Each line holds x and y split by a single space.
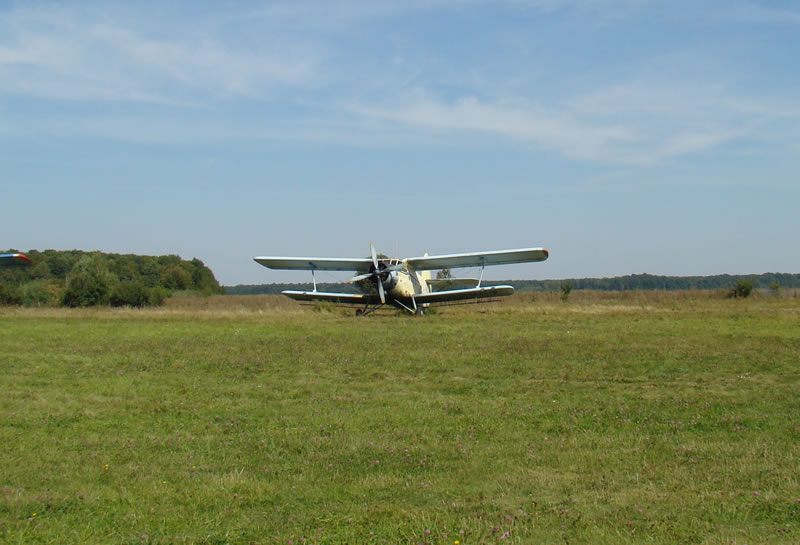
423 298
348 298
462 295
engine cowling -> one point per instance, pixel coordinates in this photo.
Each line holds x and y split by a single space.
387 277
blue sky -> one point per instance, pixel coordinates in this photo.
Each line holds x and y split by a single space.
625 136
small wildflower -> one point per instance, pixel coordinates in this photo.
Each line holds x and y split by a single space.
33 515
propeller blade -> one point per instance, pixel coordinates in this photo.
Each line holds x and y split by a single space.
360 277
375 273
381 292
374 255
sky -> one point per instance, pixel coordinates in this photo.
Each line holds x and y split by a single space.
625 136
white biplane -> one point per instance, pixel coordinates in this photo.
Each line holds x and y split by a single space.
404 283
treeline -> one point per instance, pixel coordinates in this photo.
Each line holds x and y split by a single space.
619 283
668 283
75 278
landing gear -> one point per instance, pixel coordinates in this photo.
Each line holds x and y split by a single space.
367 310
414 309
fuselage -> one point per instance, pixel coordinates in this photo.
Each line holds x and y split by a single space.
404 283
409 284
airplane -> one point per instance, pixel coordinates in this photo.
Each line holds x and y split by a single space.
11 260
404 283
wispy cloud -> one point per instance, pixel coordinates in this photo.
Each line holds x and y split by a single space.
637 124
55 54
516 121
313 83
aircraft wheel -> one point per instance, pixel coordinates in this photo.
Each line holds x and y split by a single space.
359 312
419 312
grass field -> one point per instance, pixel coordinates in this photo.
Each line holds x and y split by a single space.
614 418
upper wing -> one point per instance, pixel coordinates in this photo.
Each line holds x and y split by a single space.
357 264
477 259
460 295
9 260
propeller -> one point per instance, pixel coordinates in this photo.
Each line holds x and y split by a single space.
376 273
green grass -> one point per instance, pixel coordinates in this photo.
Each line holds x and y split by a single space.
627 418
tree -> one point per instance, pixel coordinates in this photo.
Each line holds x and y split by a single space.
157 295
129 294
150 273
203 278
59 263
566 288
41 292
743 288
9 295
176 277
45 281
447 276
89 282
39 270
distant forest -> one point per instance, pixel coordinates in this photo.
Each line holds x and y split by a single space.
76 278
617 283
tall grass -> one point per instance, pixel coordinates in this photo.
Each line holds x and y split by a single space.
612 418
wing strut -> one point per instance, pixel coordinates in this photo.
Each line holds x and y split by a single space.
313 279
413 309
483 267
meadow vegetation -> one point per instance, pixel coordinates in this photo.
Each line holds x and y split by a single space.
636 417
